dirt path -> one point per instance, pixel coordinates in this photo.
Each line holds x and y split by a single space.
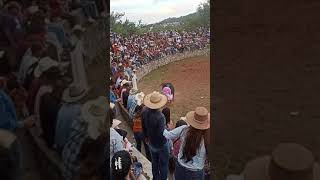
267 67
191 80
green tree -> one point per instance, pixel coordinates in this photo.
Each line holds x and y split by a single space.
204 13
201 18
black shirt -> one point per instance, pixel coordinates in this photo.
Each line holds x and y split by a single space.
153 125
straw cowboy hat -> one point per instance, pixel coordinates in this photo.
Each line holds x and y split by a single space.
44 64
116 123
94 112
139 98
6 138
78 27
73 94
155 100
289 161
199 118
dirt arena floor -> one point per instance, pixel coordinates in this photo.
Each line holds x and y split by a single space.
191 80
267 80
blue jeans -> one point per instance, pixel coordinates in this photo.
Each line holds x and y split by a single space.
182 173
58 30
139 140
160 161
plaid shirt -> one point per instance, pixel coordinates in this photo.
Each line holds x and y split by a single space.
72 148
132 108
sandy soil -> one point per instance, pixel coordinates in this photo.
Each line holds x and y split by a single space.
191 80
267 66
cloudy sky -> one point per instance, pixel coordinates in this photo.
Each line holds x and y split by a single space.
152 11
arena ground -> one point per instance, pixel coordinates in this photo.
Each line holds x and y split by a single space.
191 80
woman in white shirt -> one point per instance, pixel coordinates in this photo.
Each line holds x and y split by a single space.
194 140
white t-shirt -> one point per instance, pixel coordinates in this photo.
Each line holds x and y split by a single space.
134 81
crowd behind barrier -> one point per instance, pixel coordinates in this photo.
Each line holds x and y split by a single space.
45 47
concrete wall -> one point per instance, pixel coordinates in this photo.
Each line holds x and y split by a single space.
167 60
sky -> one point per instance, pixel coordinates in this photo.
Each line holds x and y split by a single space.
152 11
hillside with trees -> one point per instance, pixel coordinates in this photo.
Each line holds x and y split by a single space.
200 18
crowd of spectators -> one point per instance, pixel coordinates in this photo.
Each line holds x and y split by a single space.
128 53
171 148
43 85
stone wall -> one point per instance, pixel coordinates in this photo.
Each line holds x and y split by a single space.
170 59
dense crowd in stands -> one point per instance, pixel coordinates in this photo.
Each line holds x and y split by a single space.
172 148
127 53
43 85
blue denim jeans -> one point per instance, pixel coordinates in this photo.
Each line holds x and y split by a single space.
182 173
160 161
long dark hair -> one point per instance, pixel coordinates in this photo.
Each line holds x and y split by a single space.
126 162
166 113
193 141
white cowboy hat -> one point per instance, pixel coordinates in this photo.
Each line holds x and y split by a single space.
78 27
155 100
44 64
139 98
116 123
112 105
123 82
183 118
288 161
199 118
73 94
94 112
